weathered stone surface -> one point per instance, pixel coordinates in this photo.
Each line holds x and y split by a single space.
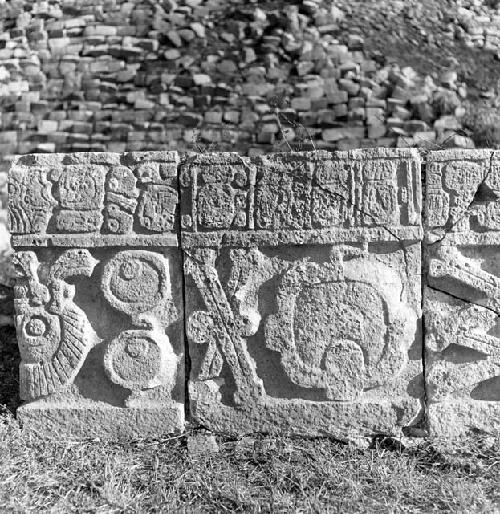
100 328
292 337
300 198
201 444
112 338
301 289
59 197
85 418
462 296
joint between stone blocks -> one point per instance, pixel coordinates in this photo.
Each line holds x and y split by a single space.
274 294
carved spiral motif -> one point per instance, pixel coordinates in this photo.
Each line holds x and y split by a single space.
135 281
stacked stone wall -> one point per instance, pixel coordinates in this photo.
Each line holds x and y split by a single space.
479 25
121 75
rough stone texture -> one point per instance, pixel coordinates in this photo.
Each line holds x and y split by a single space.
479 24
303 292
201 443
463 292
298 279
67 200
125 76
100 328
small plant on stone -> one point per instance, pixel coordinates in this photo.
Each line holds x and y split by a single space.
294 135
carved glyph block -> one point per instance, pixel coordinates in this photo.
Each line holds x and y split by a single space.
462 297
99 312
94 199
303 292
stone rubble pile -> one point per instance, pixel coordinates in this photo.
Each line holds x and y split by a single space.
118 75
478 24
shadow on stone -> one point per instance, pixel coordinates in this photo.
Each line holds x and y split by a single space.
9 369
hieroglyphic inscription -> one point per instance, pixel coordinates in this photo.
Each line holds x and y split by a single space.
299 197
91 194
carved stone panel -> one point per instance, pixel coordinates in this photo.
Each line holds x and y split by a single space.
93 199
304 198
462 297
306 320
101 340
98 299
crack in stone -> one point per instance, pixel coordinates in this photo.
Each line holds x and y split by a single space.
187 357
448 227
456 297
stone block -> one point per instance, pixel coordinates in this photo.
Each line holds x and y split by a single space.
98 299
462 296
337 134
102 198
302 293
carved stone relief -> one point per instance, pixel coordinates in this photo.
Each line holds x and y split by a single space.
300 277
315 339
54 334
30 201
462 298
100 326
76 196
101 349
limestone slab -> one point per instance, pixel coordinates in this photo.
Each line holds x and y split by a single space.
98 298
92 199
292 337
462 296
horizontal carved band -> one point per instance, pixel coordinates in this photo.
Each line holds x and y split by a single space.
133 199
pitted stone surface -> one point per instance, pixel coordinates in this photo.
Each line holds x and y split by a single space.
299 276
82 352
100 325
300 198
292 337
63 198
462 298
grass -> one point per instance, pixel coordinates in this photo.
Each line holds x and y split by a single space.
249 475
265 474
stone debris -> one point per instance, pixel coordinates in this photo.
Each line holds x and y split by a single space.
478 24
201 444
135 76
300 293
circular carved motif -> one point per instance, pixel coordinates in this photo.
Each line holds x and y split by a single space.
338 326
135 281
39 336
134 360
36 326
